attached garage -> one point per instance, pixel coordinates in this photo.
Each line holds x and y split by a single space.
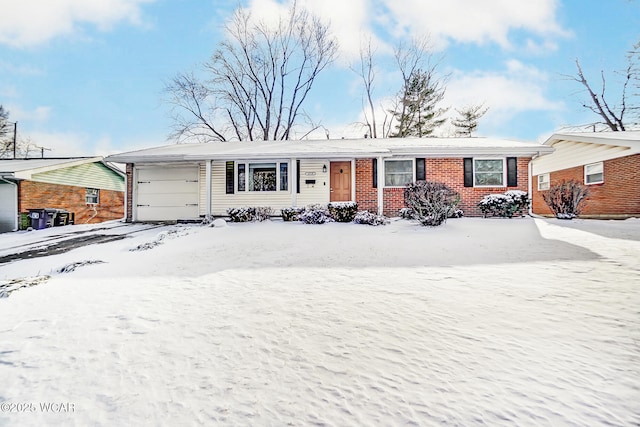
166 193
8 206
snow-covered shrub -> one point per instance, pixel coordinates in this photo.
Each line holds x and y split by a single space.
343 211
504 205
366 217
519 199
291 214
406 213
262 213
249 214
566 199
315 214
431 202
241 214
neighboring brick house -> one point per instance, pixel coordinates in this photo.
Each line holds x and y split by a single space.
607 163
188 181
90 188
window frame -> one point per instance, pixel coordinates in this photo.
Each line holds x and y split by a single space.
401 159
601 172
247 168
504 172
88 195
546 181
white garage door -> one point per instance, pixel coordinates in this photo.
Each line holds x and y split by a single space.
167 193
8 207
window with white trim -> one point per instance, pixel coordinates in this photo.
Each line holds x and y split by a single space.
92 196
268 176
398 173
489 172
594 173
543 182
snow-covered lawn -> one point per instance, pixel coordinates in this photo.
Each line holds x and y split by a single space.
477 322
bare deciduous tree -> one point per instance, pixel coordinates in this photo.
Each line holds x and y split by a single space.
468 117
616 116
256 81
366 71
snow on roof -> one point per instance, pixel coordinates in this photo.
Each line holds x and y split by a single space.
629 139
42 165
359 148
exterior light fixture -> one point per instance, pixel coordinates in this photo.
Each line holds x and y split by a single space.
324 168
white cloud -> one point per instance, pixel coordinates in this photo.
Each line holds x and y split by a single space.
37 115
473 21
516 89
465 21
29 23
72 144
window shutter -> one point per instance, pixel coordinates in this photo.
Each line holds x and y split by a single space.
468 172
374 169
297 176
421 173
229 173
512 171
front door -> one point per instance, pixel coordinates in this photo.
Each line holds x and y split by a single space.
340 182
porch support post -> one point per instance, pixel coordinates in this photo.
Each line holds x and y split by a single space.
293 179
208 186
353 180
380 185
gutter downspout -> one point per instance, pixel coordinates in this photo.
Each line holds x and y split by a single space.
15 217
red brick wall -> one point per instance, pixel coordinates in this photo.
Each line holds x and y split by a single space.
366 194
449 171
617 196
129 183
35 195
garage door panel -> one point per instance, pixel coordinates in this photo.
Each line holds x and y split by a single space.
167 193
159 187
146 213
168 173
168 199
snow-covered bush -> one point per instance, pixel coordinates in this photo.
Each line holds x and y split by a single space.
566 199
343 211
249 214
241 214
406 213
262 213
291 214
431 202
315 214
366 217
504 205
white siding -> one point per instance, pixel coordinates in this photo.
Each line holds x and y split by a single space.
570 154
318 193
203 189
309 194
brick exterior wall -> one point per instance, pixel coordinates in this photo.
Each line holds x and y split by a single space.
448 170
36 195
617 197
129 183
366 194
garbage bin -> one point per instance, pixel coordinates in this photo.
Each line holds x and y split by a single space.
71 219
38 218
42 218
61 218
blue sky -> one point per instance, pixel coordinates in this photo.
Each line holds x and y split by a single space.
86 77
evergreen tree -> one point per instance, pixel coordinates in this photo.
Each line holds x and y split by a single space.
417 112
467 120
